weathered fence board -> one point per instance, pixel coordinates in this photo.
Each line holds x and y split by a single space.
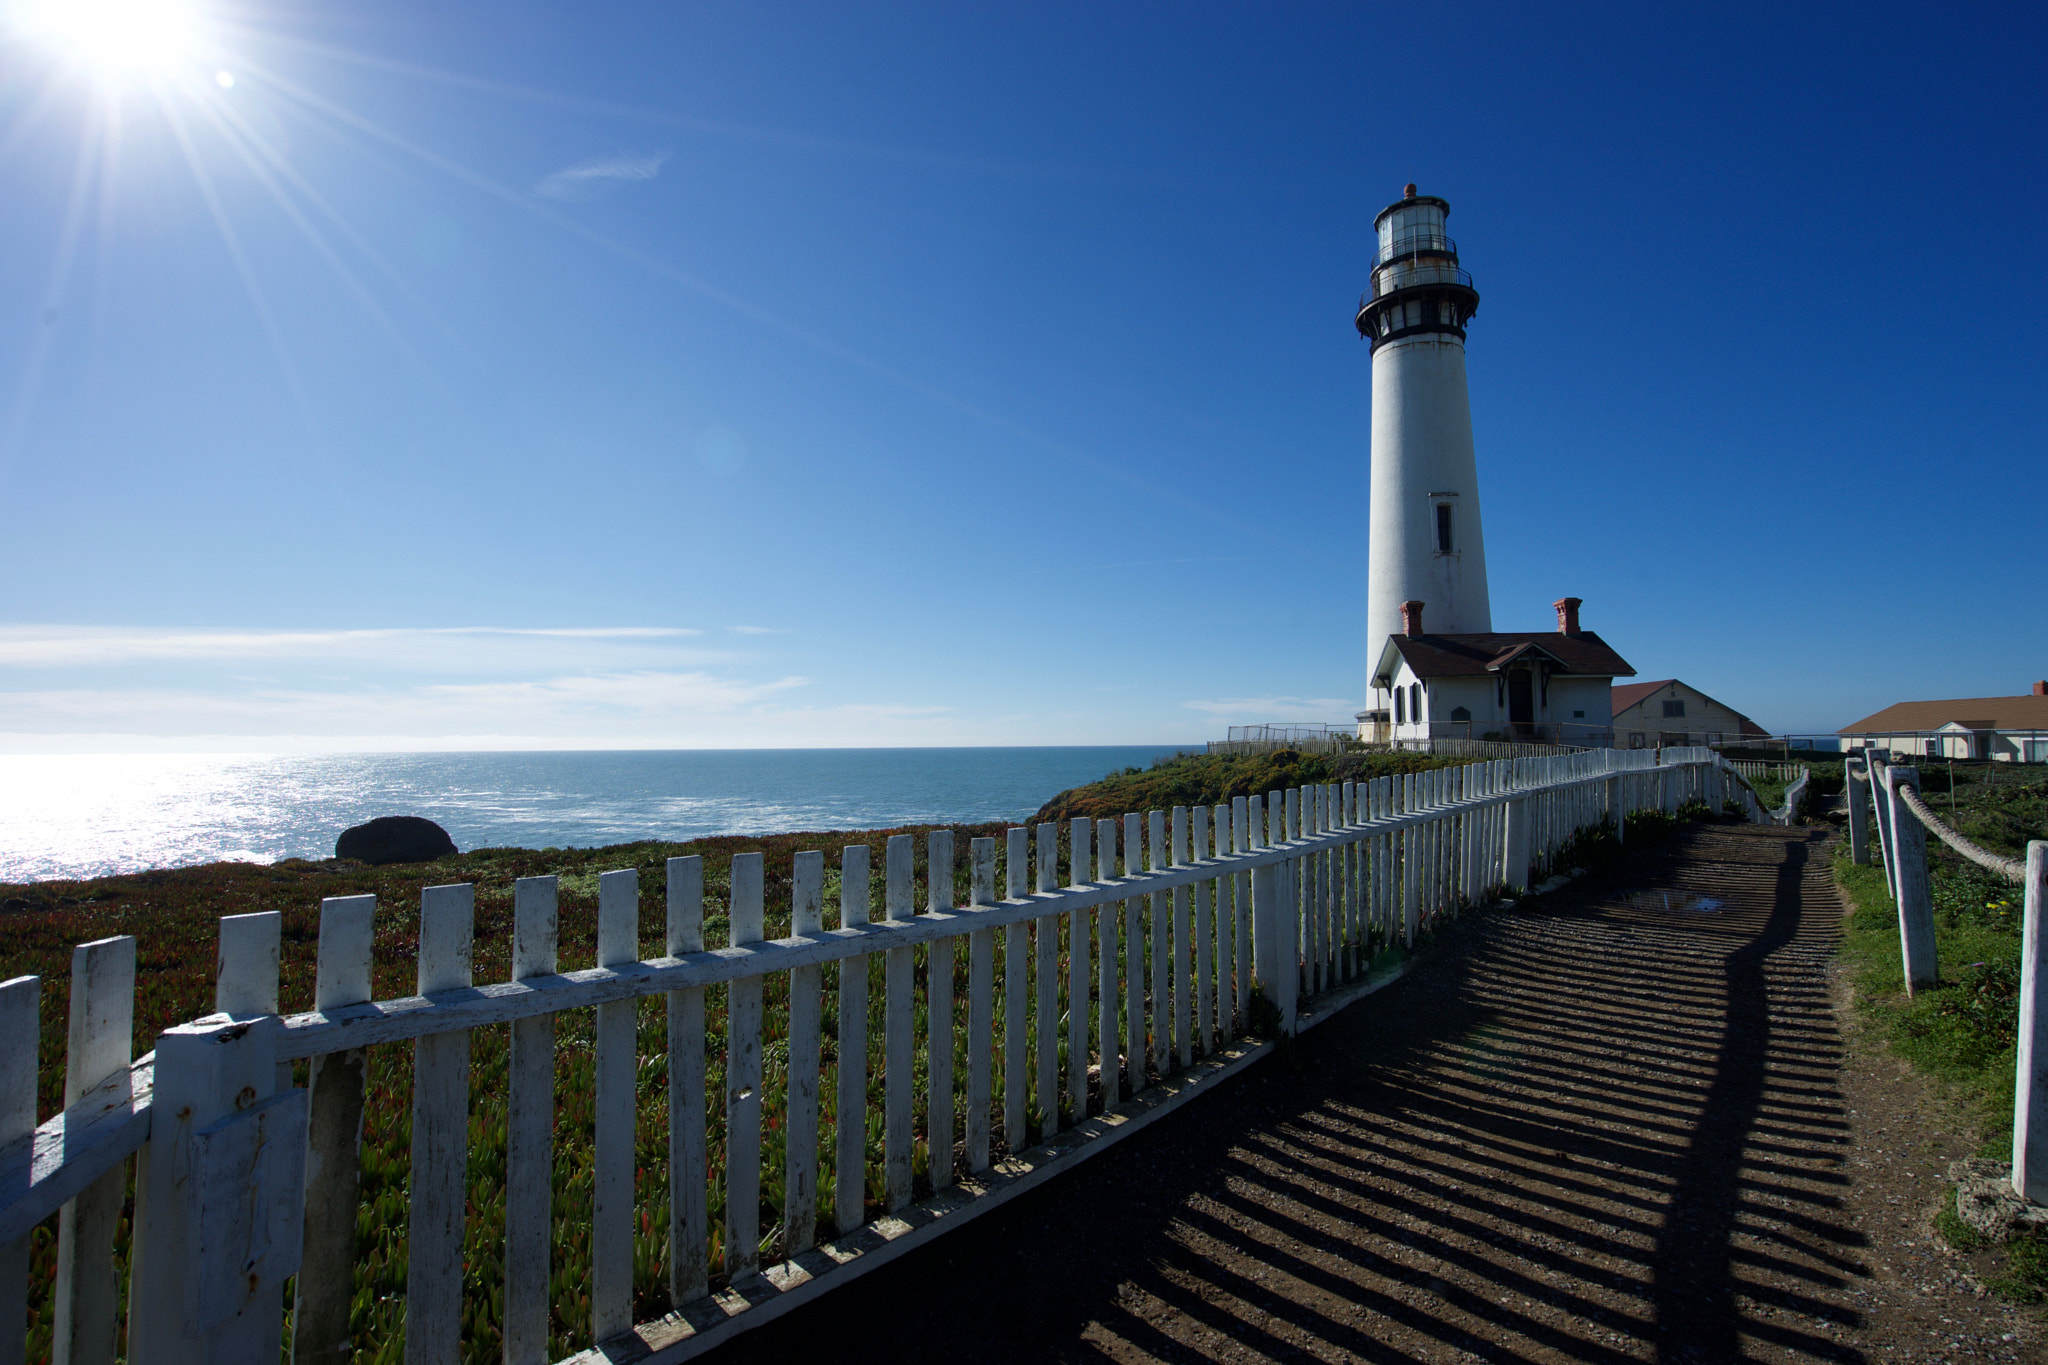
440 1138
529 1130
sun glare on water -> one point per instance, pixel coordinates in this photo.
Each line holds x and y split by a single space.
115 35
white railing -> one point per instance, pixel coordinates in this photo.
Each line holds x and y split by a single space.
1886 797
1769 772
243 1179
1455 746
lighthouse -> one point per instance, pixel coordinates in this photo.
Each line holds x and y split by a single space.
1425 542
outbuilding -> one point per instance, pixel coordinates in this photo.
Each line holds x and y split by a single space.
1668 711
2001 729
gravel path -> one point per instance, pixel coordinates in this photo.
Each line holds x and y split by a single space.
1615 1125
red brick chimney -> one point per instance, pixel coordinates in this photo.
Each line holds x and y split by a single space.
1411 620
2041 689
1567 615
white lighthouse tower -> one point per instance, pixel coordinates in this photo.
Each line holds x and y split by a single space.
1425 543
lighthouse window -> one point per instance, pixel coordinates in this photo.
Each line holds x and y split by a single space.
1443 528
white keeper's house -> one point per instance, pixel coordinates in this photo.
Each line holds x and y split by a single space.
1535 687
2002 729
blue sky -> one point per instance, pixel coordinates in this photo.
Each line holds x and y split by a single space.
707 375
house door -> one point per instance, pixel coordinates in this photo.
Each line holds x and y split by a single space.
1521 702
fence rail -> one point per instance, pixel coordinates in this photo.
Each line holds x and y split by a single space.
2012 869
1118 990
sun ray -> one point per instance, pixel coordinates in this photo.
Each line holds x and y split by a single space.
250 285
266 165
662 269
347 231
22 411
31 118
663 118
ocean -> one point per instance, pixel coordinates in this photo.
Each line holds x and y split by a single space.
64 816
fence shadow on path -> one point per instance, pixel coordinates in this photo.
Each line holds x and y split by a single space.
1606 1128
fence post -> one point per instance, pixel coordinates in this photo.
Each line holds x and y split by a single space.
1916 906
2030 1100
1859 813
209 1260
1272 962
1881 807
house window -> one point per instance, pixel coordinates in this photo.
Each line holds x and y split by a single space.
1460 713
1415 700
2035 750
1400 706
1578 715
1674 708
1443 528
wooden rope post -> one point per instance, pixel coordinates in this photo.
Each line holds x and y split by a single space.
1909 864
1858 792
2030 1100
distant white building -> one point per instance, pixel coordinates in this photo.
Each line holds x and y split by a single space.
1552 687
2002 729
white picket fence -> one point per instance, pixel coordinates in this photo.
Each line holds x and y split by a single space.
243 1179
1772 772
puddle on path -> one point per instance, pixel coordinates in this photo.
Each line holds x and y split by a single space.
1674 902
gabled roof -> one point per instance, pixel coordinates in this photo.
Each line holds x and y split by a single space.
1976 713
1453 656
1628 694
1631 694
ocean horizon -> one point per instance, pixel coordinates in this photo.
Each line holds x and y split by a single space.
72 816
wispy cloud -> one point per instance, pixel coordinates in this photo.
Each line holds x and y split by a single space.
640 709
1252 710
71 646
592 179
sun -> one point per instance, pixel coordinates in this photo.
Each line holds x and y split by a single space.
115 35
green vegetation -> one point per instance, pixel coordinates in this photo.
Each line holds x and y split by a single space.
1595 849
1997 805
1209 779
1962 1031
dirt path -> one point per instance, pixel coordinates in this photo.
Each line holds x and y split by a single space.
1596 1129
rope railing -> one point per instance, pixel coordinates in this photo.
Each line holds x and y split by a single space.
2012 869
